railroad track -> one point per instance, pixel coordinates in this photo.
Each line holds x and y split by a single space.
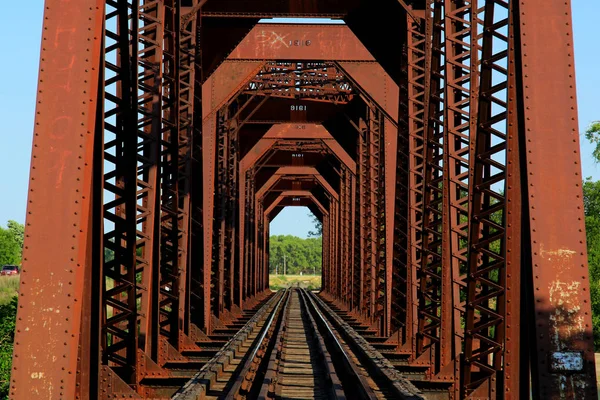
293 350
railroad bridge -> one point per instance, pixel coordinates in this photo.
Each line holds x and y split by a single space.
436 140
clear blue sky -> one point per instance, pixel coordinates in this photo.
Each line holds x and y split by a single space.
20 35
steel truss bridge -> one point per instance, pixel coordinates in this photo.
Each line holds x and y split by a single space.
436 140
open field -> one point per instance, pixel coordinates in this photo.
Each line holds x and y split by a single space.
310 282
9 285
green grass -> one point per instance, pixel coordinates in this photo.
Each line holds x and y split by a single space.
9 287
310 282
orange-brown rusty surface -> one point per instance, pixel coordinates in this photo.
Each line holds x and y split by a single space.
296 171
294 131
294 193
209 132
391 146
57 235
225 82
378 85
297 131
560 272
301 42
285 131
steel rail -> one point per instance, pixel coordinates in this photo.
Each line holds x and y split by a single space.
256 346
273 364
198 386
354 379
376 364
334 384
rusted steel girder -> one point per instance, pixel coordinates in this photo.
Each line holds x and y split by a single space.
487 117
301 42
247 184
558 246
291 194
488 283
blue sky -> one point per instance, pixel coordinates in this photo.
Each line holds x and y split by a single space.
20 34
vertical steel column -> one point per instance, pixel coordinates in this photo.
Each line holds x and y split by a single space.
363 168
460 123
60 209
149 130
400 290
434 301
486 277
249 223
348 248
332 246
233 204
187 49
342 237
358 223
335 267
380 273
371 200
219 235
326 284
196 228
169 252
515 380
417 97
345 200
119 338
561 347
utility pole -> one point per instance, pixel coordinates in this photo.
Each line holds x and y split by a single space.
284 266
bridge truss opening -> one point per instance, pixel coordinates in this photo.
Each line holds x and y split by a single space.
424 134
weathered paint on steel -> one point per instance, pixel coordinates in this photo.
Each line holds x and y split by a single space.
296 171
225 82
515 386
559 258
209 127
390 132
56 254
275 133
301 42
376 83
297 131
295 193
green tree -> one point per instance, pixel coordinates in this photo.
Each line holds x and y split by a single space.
592 134
591 206
10 248
298 255
318 228
17 230
8 314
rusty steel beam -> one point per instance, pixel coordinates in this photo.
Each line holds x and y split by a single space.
558 248
292 194
60 198
433 296
301 42
449 189
272 136
460 119
296 171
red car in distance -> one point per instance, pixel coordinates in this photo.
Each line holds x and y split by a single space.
9 270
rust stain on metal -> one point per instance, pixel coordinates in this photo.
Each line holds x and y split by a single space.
56 245
560 273
301 42
225 82
373 79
